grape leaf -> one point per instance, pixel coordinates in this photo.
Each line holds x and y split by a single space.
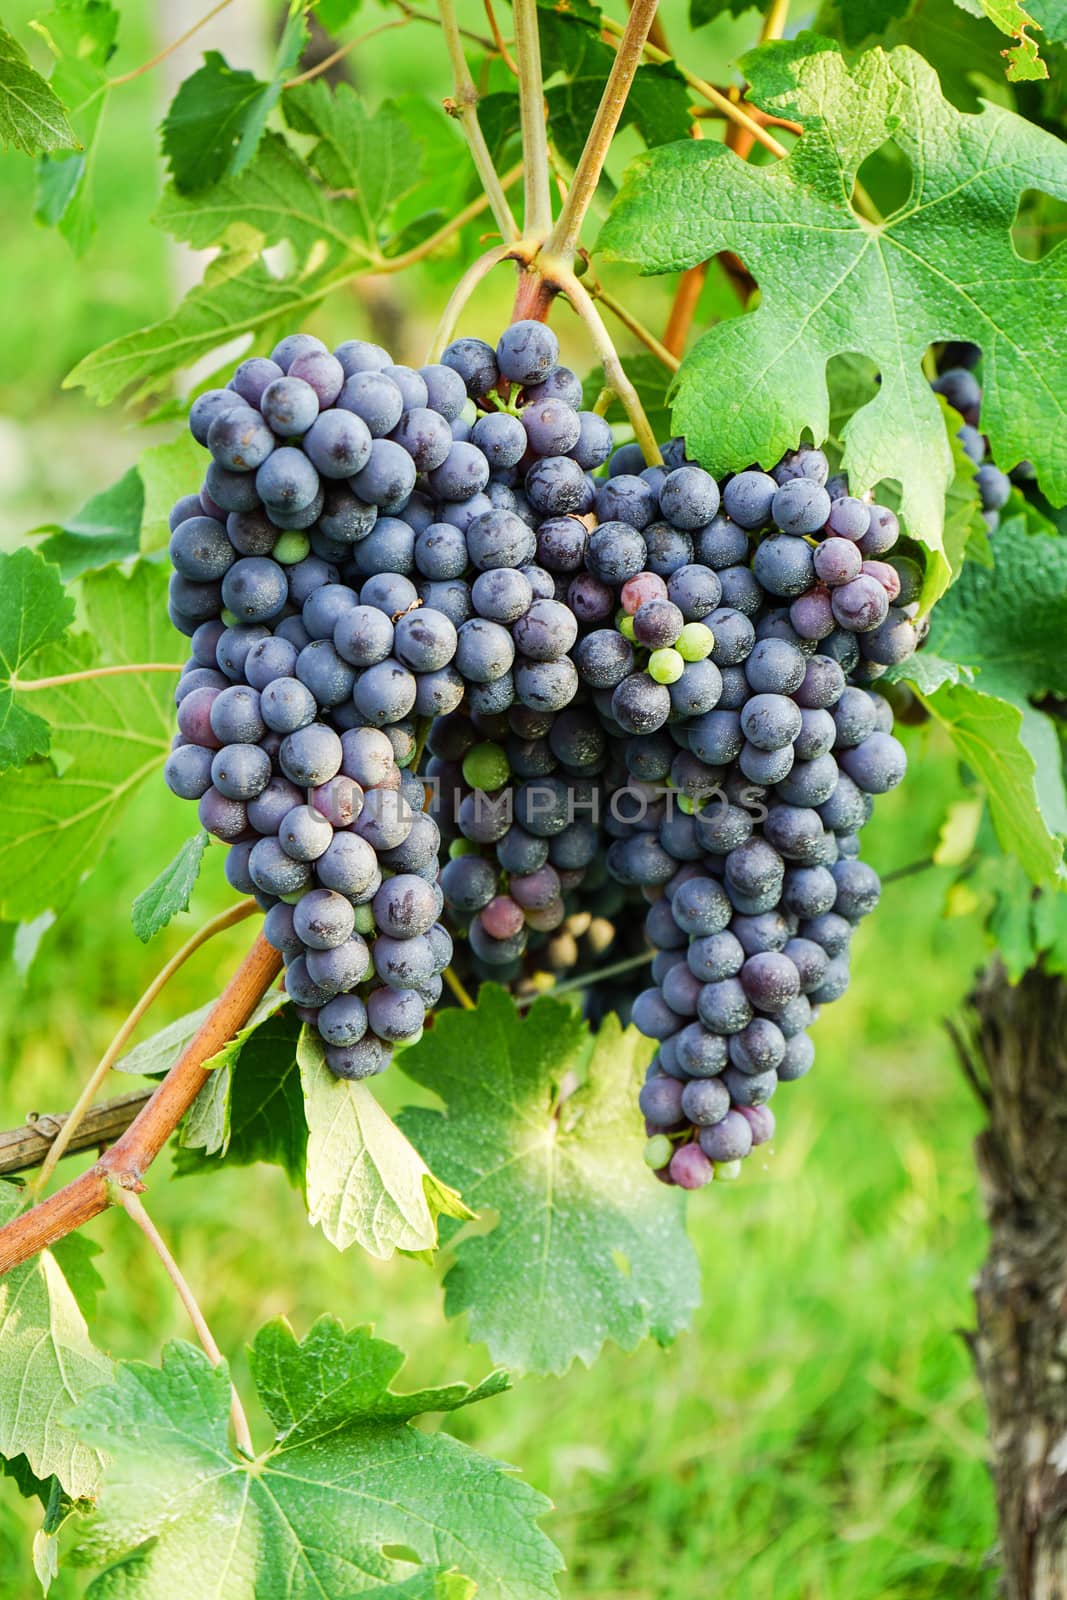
35 611
168 471
47 1361
588 1246
275 200
336 14
108 736
219 114
372 157
81 36
252 1106
702 12
106 529
1011 18
158 1053
943 266
365 1183
1004 626
32 116
346 1481
171 892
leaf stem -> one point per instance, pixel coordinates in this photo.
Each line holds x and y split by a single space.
458 990
661 352
125 1163
134 1209
498 39
538 210
775 20
168 50
466 109
346 49
707 91
419 252
614 372
587 979
466 286
23 685
225 919
633 41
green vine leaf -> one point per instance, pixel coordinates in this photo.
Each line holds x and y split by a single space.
35 611
168 471
366 1184
252 1106
587 1246
751 386
108 737
218 116
47 1363
1024 59
346 1483
81 36
32 116
107 529
1003 627
171 892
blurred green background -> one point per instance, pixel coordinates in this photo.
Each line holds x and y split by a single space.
819 1434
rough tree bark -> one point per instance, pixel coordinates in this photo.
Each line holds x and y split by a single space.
1016 1056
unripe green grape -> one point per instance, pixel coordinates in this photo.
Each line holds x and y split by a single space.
364 918
625 626
291 547
230 619
658 1151
687 805
406 1044
485 767
462 847
695 642
293 896
665 666
727 1171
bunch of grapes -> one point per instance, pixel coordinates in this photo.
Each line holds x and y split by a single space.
461 668
958 383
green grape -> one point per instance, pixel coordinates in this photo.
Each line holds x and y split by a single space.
364 918
486 767
665 666
727 1171
695 642
658 1151
462 847
290 548
231 619
625 626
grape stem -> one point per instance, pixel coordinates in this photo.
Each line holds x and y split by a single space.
562 243
596 976
24 685
498 39
465 107
538 209
419 252
466 286
226 919
662 352
614 372
168 50
123 1166
134 1209
458 990
410 14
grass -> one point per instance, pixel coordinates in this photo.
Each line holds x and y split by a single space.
817 1434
